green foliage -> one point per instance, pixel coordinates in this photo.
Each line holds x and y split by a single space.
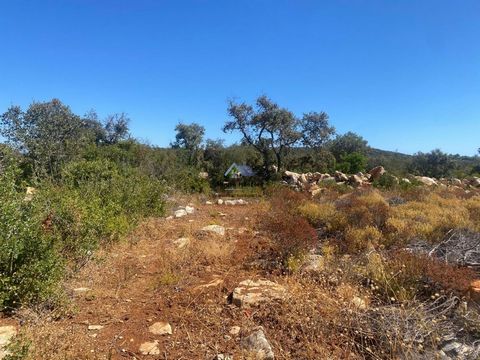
48 133
434 164
273 131
29 264
98 203
190 138
189 181
387 181
352 163
347 144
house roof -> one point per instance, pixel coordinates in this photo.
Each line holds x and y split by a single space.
244 170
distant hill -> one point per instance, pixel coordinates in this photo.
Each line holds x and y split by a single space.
398 163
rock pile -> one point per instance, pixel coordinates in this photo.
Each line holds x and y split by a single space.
314 181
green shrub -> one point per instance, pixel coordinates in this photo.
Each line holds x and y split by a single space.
29 264
386 181
98 203
352 163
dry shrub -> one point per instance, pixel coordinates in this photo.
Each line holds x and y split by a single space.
364 208
399 332
325 215
292 235
473 206
361 239
429 219
404 276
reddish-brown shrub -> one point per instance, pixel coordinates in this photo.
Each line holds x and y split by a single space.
292 234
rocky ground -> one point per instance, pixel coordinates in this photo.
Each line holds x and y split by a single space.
179 289
198 285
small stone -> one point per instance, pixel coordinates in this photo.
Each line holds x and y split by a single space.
257 344
254 292
234 330
6 334
149 348
223 357
161 328
220 230
359 303
208 203
95 327
313 263
169 217
220 202
189 209
180 213
82 289
181 242
213 283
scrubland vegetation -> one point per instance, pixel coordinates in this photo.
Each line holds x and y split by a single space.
72 186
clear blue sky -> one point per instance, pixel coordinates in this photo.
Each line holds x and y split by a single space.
403 74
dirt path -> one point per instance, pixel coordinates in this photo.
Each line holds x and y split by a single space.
151 279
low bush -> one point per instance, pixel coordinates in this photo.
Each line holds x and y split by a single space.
387 181
364 208
323 215
29 264
428 219
402 276
293 236
361 239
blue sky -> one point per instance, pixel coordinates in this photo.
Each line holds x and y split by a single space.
403 74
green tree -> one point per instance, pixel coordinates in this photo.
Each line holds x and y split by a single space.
347 144
316 130
434 164
190 138
48 134
267 127
352 163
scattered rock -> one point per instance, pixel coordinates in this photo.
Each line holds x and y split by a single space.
149 348
376 173
31 191
180 213
81 289
234 330
313 263
340 177
95 327
475 182
217 229
257 344
254 292
161 328
223 357
203 175
359 303
220 202
425 180
181 242
189 209
212 283
355 180
6 334
208 203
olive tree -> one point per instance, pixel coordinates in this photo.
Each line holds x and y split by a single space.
267 127
47 133
273 130
190 138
